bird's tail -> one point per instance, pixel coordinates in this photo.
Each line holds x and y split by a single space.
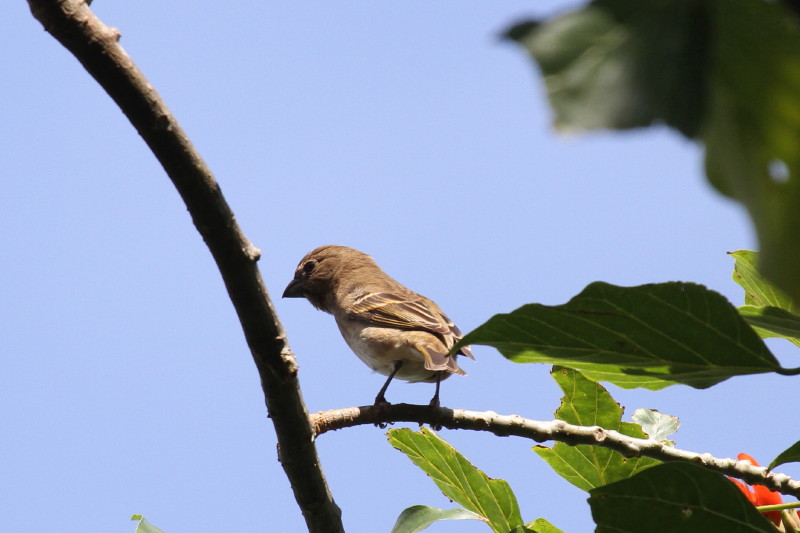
438 360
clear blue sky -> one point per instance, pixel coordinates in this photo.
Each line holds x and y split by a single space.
409 132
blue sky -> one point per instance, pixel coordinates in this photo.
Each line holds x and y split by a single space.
411 133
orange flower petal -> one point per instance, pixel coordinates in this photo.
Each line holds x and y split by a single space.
746 490
745 457
764 496
759 494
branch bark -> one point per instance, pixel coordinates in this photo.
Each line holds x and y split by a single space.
541 431
96 46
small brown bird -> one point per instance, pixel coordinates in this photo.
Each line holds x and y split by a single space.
396 332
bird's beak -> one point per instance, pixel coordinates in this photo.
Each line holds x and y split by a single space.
294 289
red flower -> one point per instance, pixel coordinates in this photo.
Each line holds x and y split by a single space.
759 494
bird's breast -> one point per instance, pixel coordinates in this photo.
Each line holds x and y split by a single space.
379 348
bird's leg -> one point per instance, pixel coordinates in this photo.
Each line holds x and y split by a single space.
435 400
380 399
435 425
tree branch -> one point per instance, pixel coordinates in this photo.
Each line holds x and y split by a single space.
96 46
540 431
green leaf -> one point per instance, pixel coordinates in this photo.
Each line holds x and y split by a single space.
675 497
726 72
773 322
419 517
770 311
458 479
789 455
587 403
540 525
758 292
752 128
658 426
648 336
144 526
617 64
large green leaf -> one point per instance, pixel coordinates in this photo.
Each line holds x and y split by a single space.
458 479
752 127
618 64
770 311
675 498
725 72
587 403
648 336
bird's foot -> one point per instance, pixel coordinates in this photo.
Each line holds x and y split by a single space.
382 406
434 407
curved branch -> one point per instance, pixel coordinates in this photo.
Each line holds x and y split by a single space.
96 46
540 431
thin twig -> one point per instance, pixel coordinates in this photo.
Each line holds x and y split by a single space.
541 431
96 46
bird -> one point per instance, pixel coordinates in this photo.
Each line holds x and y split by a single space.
395 331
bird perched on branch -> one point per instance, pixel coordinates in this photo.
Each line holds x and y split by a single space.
395 331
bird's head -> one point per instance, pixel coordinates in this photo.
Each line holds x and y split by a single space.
320 273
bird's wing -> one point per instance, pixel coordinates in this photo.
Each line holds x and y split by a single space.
410 311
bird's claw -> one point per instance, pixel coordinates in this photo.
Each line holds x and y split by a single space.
382 406
435 406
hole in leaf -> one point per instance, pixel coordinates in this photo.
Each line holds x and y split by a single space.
778 171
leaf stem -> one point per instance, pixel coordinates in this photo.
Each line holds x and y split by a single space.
778 507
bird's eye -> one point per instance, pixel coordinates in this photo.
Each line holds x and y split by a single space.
308 266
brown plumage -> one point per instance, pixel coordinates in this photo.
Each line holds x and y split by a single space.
395 331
